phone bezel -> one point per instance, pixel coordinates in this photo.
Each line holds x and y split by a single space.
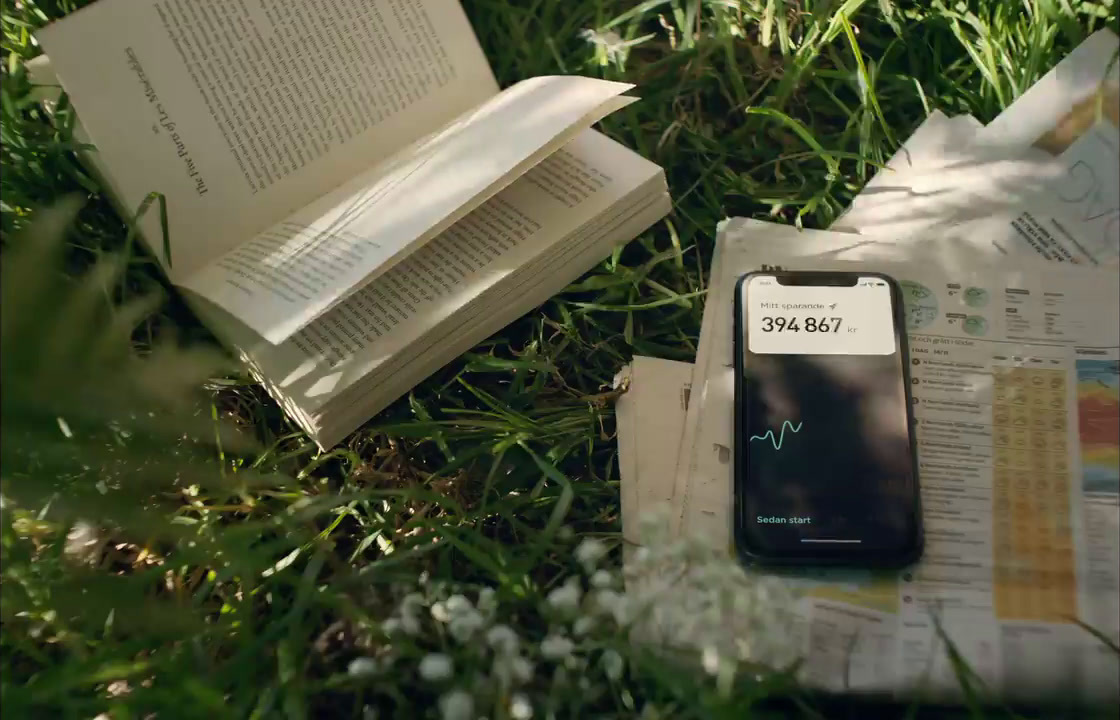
844 555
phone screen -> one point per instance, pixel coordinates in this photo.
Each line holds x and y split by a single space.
825 449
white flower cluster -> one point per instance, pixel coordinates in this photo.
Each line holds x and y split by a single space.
484 659
684 595
676 596
688 595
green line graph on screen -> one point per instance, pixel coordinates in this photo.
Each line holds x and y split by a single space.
777 442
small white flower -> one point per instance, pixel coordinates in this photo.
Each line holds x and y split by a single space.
118 688
566 597
456 705
464 625
710 660
436 667
457 604
487 600
556 647
612 43
520 708
583 625
392 626
362 667
410 624
459 614
512 669
503 639
602 579
609 602
743 648
612 664
409 608
522 669
440 613
590 552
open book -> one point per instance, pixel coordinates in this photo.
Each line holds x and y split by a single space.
351 202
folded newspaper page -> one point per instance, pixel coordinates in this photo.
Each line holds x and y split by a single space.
627 457
890 205
1074 215
1043 177
1019 448
650 419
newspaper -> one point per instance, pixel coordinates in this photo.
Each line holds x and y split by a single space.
1040 180
1018 448
1074 216
657 407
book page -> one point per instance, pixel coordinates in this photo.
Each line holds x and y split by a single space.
569 189
1017 403
241 112
496 307
281 280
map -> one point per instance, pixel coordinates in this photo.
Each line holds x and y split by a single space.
1098 416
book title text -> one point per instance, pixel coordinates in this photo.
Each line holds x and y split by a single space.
164 121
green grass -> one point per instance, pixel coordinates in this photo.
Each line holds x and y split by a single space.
490 472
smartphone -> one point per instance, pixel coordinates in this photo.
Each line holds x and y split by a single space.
825 459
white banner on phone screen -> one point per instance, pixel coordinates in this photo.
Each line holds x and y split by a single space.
819 319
